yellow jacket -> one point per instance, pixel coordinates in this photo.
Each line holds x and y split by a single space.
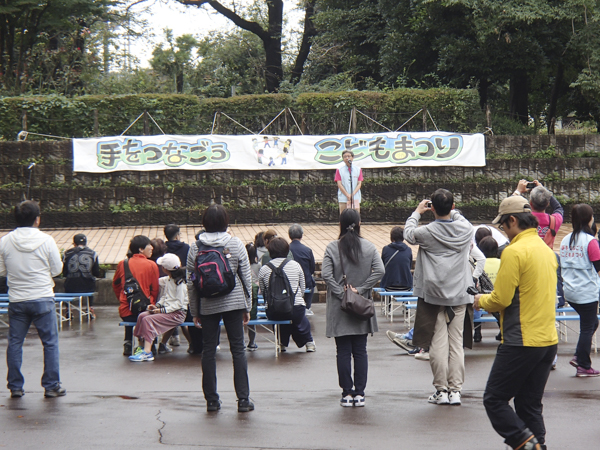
525 292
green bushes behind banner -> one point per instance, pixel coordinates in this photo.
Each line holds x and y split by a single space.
87 116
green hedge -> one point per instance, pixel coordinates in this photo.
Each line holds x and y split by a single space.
453 110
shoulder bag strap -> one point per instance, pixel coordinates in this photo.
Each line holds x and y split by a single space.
126 269
342 264
388 261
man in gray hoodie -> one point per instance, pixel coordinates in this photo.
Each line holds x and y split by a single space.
442 276
29 259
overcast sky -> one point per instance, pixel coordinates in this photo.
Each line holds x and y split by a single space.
186 20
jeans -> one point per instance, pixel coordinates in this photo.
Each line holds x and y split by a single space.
348 347
308 296
234 326
520 373
299 329
42 313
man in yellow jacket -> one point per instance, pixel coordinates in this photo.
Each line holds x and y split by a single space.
524 295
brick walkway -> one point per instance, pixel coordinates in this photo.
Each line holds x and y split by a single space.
111 243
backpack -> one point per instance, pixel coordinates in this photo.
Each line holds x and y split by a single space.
214 277
138 302
279 296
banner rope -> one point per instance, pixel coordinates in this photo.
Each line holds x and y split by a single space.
415 115
297 126
429 114
236 122
373 120
132 124
282 111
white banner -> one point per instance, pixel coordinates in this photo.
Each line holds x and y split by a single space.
266 152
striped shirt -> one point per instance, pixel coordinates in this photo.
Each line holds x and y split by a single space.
295 275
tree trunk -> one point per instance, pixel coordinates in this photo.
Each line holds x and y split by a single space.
483 92
272 43
558 80
519 103
179 82
309 32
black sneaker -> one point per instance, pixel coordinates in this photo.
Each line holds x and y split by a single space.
245 405
213 405
56 392
17 393
477 335
127 349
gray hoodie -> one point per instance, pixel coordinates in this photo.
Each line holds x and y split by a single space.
29 259
240 297
442 271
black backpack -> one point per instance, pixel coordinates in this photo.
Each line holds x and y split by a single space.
279 296
214 277
138 302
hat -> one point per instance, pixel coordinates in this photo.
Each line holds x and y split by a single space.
80 239
512 205
169 262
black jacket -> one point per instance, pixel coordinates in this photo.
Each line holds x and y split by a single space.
179 248
80 268
397 271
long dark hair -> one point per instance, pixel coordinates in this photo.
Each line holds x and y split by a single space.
350 235
178 275
580 217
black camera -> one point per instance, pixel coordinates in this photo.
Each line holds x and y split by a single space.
531 185
429 204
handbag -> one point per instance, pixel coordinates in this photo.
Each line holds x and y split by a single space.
354 303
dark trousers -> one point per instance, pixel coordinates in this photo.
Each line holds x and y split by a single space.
299 330
520 373
308 296
348 347
233 321
129 330
588 323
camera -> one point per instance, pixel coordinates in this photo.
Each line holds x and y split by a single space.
429 204
531 185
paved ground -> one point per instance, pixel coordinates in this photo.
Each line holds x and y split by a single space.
113 403
111 243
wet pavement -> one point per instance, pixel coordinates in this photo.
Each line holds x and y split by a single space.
114 403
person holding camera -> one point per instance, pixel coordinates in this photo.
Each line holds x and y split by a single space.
539 199
442 276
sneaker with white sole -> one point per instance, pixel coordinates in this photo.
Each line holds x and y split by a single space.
439 398
309 312
346 401
399 340
143 356
422 355
359 400
454 398
164 348
174 341
311 346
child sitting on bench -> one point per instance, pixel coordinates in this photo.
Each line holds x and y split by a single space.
169 311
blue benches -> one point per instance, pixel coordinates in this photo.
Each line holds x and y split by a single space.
59 299
401 297
271 326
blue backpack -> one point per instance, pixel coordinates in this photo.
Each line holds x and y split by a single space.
214 277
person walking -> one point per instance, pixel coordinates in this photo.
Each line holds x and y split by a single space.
442 276
363 269
233 308
304 256
524 294
580 264
29 259
80 269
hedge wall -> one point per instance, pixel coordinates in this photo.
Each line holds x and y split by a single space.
452 110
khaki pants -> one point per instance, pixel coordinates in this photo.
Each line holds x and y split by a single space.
344 205
446 354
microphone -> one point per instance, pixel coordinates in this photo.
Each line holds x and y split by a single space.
350 162
31 166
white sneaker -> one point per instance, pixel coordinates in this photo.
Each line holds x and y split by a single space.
422 356
439 398
454 398
174 341
311 346
346 401
359 400
309 312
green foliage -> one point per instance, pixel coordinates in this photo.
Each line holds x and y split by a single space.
550 152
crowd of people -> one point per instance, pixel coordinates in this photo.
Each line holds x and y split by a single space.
460 271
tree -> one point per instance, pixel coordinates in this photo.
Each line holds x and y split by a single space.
270 33
175 59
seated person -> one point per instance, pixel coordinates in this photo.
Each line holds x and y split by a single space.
300 327
489 247
397 259
169 311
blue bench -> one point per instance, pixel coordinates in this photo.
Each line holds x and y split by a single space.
402 297
271 326
59 299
